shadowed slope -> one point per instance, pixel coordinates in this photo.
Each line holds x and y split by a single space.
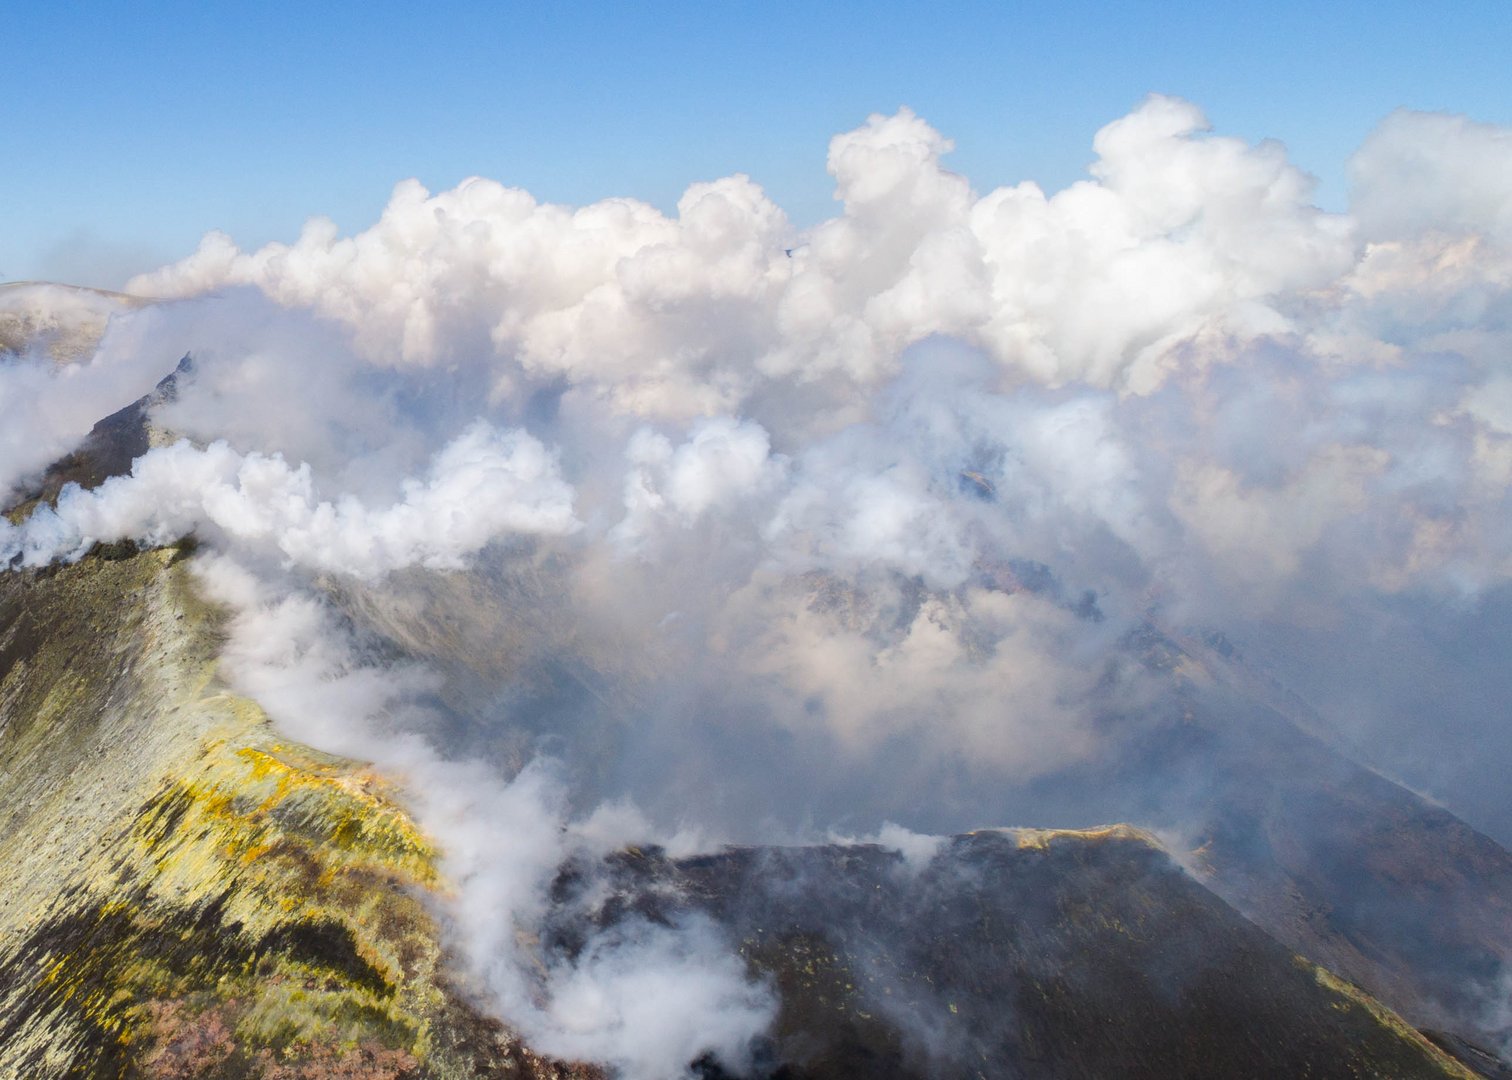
1024 953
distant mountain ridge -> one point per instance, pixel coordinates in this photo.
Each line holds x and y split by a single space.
64 321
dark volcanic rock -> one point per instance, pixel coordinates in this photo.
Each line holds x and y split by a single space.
1365 877
1025 954
110 447
1336 861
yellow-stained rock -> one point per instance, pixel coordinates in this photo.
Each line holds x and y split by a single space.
192 893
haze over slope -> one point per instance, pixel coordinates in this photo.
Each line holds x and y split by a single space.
772 533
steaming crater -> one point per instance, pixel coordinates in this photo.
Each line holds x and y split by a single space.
600 531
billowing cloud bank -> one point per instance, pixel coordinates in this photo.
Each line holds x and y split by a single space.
1178 233
771 514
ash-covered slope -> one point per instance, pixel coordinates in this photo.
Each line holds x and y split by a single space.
1335 860
1023 953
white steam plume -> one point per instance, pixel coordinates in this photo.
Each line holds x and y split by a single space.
645 1000
66 361
482 485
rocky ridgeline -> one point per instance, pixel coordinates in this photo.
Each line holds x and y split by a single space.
198 895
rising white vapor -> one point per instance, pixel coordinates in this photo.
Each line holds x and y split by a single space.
885 494
483 485
64 364
645 1000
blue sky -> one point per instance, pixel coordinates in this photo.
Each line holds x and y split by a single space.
129 130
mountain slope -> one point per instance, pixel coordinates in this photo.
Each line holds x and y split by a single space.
1023 953
1337 861
200 896
205 898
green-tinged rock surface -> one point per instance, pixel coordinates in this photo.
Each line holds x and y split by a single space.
191 894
